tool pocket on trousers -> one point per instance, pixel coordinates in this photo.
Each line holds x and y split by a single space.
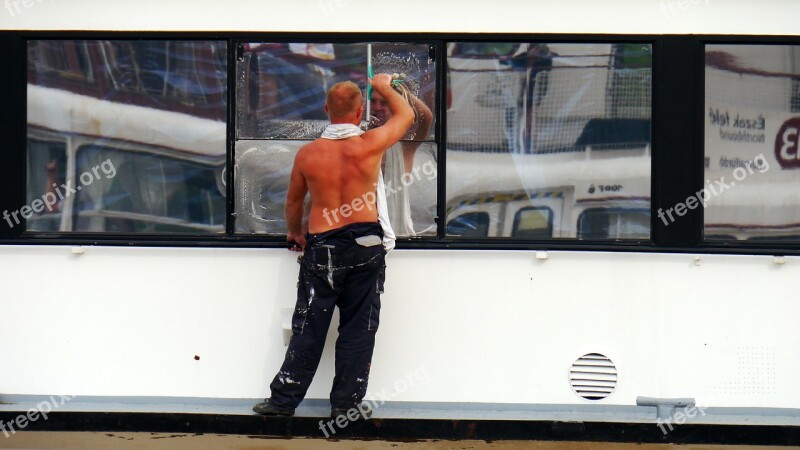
375 307
305 291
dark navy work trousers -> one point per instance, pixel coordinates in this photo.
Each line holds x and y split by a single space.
344 267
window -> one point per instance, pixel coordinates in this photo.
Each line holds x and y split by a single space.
69 60
535 127
752 125
134 192
533 223
281 91
127 136
545 140
614 223
474 225
47 166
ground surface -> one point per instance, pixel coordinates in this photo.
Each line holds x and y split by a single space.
159 441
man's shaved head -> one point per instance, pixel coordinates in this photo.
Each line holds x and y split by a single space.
343 99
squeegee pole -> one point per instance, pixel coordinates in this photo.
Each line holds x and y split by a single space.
369 75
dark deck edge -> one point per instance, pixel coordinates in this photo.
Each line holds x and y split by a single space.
409 430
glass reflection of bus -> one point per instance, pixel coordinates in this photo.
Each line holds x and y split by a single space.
760 82
549 141
154 189
562 205
768 202
153 109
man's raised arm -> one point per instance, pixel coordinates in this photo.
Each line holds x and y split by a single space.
387 134
424 127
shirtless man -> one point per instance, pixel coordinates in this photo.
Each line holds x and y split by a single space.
343 260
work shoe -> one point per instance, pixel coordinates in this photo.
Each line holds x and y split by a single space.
268 409
363 411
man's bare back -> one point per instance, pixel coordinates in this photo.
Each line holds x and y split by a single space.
341 175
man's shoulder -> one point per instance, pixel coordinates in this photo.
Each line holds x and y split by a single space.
324 143
311 147
315 143
375 139
324 148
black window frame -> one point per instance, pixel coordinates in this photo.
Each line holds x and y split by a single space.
677 152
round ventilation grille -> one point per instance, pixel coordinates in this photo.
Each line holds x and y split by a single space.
593 376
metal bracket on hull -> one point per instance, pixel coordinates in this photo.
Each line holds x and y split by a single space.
665 407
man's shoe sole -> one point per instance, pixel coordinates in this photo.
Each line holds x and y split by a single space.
266 409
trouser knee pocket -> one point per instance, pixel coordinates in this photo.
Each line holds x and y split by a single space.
375 306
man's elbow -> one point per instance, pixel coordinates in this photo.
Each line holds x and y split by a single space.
407 117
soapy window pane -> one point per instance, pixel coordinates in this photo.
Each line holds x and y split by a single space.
281 91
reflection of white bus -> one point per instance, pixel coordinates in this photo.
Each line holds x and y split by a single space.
567 195
549 141
548 98
169 166
752 94
761 208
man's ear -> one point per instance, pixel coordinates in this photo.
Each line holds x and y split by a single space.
326 109
360 112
